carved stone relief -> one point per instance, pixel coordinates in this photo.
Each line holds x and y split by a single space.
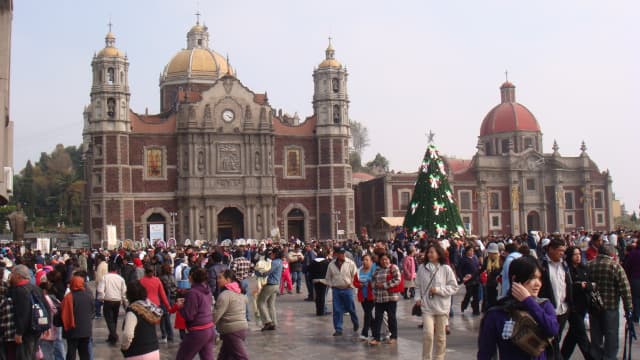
259 223
200 160
229 158
207 113
258 162
228 84
247 114
228 183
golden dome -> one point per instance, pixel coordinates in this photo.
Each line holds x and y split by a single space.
110 51
198 28
330 63
198 62
110 35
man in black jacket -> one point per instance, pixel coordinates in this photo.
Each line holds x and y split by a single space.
557 287
20 292
317 272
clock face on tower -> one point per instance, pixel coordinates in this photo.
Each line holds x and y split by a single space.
228 115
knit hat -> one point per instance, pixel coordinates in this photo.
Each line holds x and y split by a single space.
22 270
493 248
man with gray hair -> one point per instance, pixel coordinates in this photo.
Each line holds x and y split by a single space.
611 281
20 292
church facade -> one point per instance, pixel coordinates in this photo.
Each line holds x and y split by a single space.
510 186
218 161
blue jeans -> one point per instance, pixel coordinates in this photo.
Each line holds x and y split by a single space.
343 303
165 325
245 289
58 346
47 348
296 278
605 326
98 305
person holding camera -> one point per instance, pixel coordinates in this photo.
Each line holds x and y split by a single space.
435 285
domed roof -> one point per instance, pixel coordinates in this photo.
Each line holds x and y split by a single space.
198 62
330 61
110 51
508 116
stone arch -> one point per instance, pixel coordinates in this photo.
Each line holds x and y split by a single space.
285 220
145 224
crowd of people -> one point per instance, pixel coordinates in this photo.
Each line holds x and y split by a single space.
206 296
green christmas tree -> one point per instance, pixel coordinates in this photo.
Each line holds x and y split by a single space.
432 208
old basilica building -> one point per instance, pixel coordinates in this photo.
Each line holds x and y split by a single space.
510 186
218 161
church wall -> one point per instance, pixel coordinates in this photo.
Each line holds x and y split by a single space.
112 179
550 198
111 149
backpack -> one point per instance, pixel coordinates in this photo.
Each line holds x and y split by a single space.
40 317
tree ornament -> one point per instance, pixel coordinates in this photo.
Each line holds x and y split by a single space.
434 180
441 167
438 207
449 195
413 207
441 230
460 230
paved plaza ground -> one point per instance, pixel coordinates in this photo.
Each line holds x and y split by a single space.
301 334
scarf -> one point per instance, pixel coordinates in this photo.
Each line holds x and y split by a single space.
68 318
147 310
233 286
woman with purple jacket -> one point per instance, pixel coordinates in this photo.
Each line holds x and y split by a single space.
196 311
525 275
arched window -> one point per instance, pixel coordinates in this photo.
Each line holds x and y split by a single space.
336 114
110 76
111 107
335 83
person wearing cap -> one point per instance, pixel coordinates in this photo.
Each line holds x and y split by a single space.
20 292
491 267
340 275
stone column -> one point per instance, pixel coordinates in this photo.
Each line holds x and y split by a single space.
560 216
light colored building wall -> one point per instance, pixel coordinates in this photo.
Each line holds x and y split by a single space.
6 125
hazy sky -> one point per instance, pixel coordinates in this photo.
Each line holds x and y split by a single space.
413 66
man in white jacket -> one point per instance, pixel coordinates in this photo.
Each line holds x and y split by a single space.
339 277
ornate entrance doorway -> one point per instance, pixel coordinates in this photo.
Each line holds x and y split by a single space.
230 224
533 221
156 228
295 224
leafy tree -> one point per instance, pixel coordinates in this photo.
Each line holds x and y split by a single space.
356 161
432 208
359 136
379 165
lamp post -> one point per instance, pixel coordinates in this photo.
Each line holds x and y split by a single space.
173 223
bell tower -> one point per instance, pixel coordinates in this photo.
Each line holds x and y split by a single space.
331 109
109 109
106 145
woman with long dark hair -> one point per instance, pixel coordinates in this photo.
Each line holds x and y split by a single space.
435 285
362 282
525 275
577 334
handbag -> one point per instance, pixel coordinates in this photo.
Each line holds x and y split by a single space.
527 335
416 310
594 300
398 288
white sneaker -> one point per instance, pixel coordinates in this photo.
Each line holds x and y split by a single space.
162 341
364 338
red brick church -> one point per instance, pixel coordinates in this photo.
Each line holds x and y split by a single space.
218 161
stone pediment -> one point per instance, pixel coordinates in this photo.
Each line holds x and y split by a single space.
529 161
228 107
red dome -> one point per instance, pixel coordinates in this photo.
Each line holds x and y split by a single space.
508 116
